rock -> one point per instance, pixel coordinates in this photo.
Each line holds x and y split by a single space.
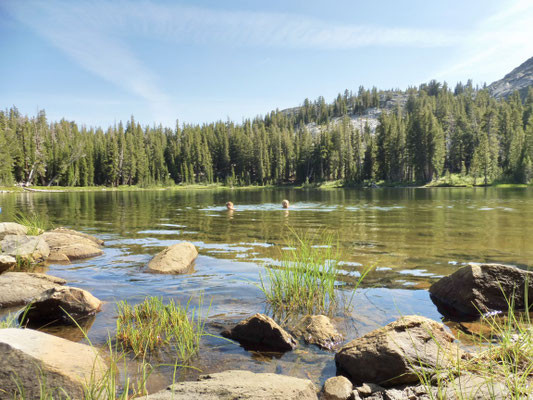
69 247
337 388
476 289
393 355
95 240
242 385
474 387
318 329
57 304
261 331
12 228
31 248
19 288
6 262
30 357
520 78
176 259
366 389
355 395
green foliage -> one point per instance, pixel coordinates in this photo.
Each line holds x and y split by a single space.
151 325
36 223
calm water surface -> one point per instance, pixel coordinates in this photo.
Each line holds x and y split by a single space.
411 236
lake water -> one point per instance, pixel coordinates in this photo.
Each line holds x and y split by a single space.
411 236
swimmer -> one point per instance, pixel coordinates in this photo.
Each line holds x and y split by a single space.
285 203
229 206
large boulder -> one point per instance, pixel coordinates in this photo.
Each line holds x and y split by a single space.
7 262
176 259
95 240
67 245
62 305
242 385
261 332
476 289
12 228
19 288
29 248
398 353
318 329
30 358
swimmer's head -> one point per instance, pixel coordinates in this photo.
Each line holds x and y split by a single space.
229 205
285 203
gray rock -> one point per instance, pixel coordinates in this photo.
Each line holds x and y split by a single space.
67 245
474 387
6 262
60 305
520 78
337 388
30 357
242 385
318 329
19 288
176 259
31 248
476 289
261 331
12 228
397 353
366 389
95 240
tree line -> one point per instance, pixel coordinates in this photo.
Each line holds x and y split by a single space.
430 131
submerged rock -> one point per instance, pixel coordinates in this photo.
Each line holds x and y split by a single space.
394 354
176 259
12 228
62 304
476 289
318 329
30 357
29 248
6 262
261 332
19 288
67 245
243 385
337 388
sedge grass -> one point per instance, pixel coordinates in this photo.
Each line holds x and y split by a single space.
151 325
35 223
305 280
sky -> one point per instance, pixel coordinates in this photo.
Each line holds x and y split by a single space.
99 62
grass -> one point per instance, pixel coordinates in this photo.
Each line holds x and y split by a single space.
305 281
152 325
35 223
10 321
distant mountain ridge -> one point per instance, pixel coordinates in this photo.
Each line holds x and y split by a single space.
520 78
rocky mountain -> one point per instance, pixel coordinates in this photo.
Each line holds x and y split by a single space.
520 78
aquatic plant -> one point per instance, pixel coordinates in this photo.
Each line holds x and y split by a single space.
36 223
150 325
305 280
9 322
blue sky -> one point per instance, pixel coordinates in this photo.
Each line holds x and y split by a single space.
97 62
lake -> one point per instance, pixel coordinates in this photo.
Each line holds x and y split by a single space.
411 236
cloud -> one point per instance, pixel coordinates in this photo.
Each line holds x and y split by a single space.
499 43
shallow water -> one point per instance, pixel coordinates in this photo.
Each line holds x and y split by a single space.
412 237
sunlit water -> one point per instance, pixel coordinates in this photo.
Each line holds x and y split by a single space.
411 236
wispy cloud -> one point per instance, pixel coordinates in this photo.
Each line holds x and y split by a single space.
496 45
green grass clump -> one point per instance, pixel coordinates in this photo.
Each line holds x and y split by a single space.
9 322
305 281
151 325
35 223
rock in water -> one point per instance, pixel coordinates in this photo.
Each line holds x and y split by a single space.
19 288
337 388
176 259
242 385
6 262
30 248
318 329
30 357
476 289
12 228
394 354
261 332
95 240
61 305
66 245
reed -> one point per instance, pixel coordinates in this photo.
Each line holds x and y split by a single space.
36 223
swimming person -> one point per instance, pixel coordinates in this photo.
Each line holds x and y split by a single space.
285 203
229 206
